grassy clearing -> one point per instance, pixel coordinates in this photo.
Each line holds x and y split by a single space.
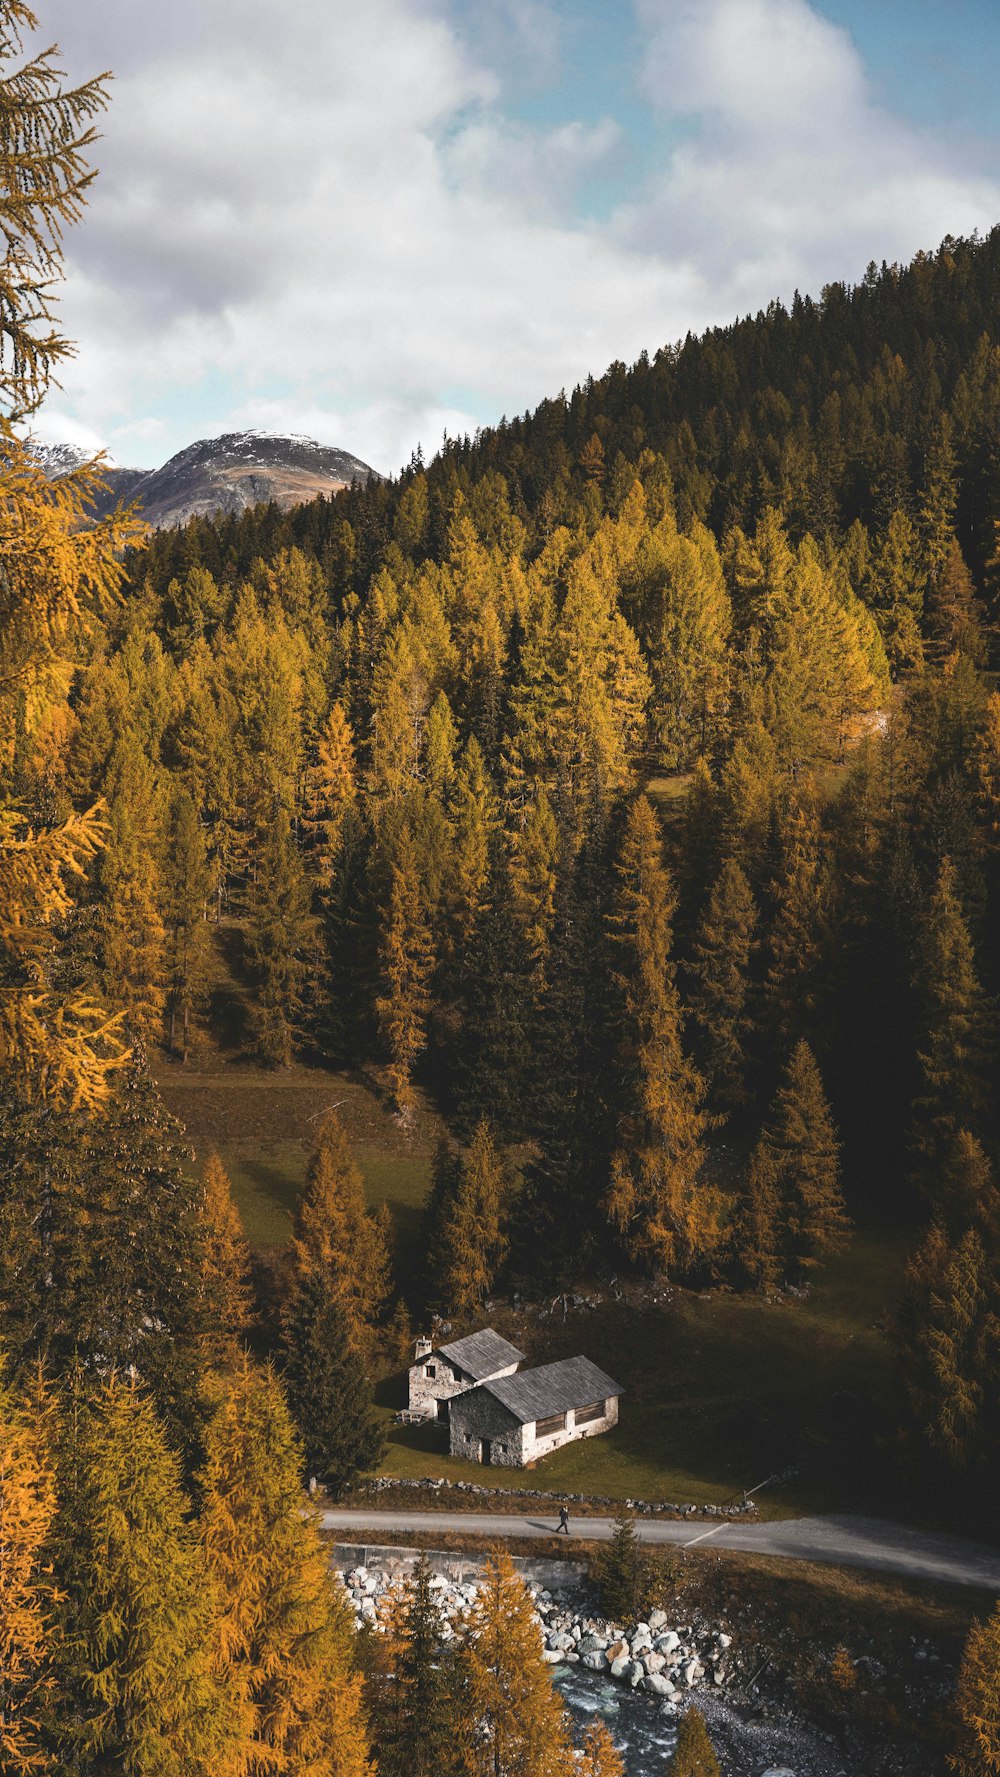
721 1391
265 1125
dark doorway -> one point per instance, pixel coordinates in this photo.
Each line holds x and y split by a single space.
487 1450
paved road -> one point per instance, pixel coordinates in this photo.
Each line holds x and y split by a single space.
843 1541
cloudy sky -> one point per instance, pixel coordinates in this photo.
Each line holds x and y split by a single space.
374 221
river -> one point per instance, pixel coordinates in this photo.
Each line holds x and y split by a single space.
645 1734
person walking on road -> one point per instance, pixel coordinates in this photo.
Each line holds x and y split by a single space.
563 1520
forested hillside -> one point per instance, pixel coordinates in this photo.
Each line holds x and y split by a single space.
629 777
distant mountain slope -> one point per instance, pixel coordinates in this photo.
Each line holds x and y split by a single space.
222 475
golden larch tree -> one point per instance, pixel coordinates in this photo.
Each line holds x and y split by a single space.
523 1728
287 1639
27 1511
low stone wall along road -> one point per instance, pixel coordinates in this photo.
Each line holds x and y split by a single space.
840 1541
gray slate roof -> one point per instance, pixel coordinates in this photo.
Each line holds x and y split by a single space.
482 1354
535 1394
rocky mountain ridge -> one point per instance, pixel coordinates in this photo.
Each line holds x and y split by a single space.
227 474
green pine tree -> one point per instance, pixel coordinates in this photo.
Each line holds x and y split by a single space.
620 1572
953 1054
797 1162
718 1001
329 1395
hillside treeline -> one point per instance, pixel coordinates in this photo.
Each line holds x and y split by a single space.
643 811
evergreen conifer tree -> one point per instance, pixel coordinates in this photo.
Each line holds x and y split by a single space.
620 1571
131 936
277 941
471 1241
949 1339
187 886
666 1215
795 1169
100 1244
720 971
491 1071
336 1235
534 873
953 1054
426 1730
329 1395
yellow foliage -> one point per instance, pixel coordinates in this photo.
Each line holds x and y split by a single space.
27 1509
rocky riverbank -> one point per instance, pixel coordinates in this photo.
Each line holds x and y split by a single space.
666 1661
642 1676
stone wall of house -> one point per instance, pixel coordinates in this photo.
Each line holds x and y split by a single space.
426 1391
480 1418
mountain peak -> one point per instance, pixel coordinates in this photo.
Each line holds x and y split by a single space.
226 474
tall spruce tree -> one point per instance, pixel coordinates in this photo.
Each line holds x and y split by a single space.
100 1244
472 1217
718 1001
329 1395
795 1177
953 1052
491 1068
421 1717
278 939
667 1216
949 1342
131 936
187 886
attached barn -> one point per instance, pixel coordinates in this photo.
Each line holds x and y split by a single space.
513 1420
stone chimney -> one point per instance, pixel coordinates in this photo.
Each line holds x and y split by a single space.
424 1347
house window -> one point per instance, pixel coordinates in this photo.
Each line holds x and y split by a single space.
585 1415
502 1449
545 1427
430 1370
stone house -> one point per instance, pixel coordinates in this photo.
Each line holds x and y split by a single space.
441 1372
513 1420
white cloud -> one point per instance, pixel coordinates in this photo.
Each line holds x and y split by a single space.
318 214
792 173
